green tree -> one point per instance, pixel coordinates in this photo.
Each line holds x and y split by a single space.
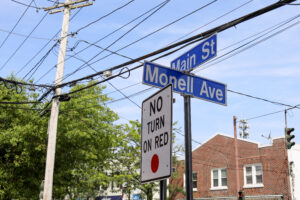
128 162
86 139
22 145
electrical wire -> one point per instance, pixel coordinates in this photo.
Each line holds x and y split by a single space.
217 18
20 108
39 63
277 103
235 52
111 84
40 50
102 17
197 37
22 83
107 35
125 96
185 43
19 102
262 99
18 48
112 101
130 58
3 42
23 35
124 88
38 8
272 113
56 1
140 39
119 38
106 49
116 30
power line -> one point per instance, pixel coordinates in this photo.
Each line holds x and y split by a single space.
262 99
38 8
109 78
112 101
261 32
23 83
15 25
277 103
200 36
272 113
23 35
185 42
39 63
55 1
89 24
20 108
140 39
20 102
240 6
118 39
112 84
40 50
239 93
235 52
124 95
14 53
109 34
106 49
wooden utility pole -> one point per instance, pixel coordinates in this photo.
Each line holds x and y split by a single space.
236 155
52 127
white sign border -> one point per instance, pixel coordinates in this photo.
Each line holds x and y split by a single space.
171 134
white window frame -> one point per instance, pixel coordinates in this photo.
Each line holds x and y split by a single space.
254 181
219 187
194 189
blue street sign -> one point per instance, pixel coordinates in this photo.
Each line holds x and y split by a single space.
201 53
160 76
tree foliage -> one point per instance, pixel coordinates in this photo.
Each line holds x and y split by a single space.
91 150
128 162
86 139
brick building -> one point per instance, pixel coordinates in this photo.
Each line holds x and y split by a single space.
262 170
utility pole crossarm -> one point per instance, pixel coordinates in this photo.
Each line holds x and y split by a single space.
60 7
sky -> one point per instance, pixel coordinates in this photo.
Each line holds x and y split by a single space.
264 59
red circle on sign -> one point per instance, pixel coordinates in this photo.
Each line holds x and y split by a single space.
154 163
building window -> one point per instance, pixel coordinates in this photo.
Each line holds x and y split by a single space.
219 179
194 179
253 175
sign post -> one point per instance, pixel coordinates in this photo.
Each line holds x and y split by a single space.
156 136
196 56
188 85
188 147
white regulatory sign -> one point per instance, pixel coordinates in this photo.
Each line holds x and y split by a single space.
156 140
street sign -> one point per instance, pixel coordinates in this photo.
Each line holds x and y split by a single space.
156 136
201 53
196 86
